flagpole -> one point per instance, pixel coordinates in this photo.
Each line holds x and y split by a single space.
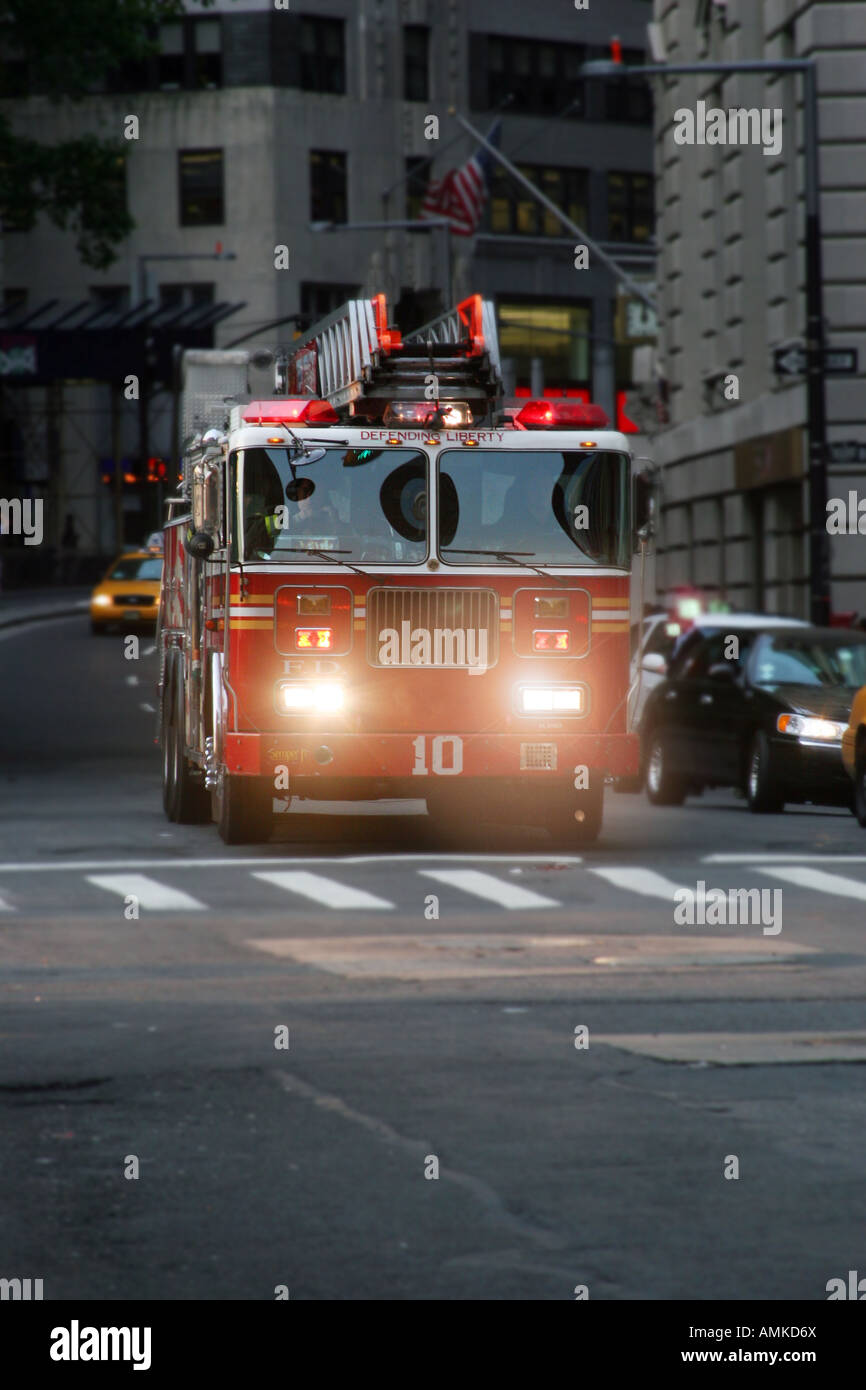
634 287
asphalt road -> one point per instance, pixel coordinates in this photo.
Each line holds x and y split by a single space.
431 990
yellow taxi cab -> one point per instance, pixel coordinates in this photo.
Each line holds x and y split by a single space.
854 752
129 592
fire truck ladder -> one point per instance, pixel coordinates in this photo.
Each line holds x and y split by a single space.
360 364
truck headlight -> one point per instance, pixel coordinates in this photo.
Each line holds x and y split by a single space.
551 699
305 697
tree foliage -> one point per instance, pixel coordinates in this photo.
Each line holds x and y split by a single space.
64 50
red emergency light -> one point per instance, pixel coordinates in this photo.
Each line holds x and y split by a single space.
550 641
313 639
302 411
561 414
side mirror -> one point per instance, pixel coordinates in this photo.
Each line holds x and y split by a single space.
206 504
644 506
200 545
655 663
722 671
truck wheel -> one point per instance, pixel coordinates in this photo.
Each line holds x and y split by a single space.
762 796
575 819
242 810
166 738
183 794
860 782
662 787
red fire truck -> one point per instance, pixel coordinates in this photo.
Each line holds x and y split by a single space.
386 580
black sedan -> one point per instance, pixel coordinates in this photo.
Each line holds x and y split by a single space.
763 710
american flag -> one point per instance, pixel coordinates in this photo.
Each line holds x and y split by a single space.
461 194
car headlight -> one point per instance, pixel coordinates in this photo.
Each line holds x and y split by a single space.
551 699
801 726
306 697
102 600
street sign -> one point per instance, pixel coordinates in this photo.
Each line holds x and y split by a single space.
790 361
847 451
793 361
840 361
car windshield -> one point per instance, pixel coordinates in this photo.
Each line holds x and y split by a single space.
662 639
132 567
784 660
351 504
540 505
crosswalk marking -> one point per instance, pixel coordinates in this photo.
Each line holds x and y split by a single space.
480 885
322 890
645 881
491 888
151 894
837 884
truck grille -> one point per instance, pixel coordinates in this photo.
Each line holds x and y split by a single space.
540 756
452 628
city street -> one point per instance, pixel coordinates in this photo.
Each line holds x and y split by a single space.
433 991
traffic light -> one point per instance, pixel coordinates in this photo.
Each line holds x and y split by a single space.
157 470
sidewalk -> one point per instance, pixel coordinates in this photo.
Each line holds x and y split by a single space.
30 605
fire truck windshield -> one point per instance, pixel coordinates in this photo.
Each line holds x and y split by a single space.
357 504
553 508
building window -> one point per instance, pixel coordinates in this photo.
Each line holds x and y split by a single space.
630 207
323 57
542 77
555 332
515 212
416 62
417 177
328 200
629 100
180 295
189 58
320 298
171 56
201 188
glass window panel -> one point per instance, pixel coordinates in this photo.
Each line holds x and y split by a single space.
171 38
526 501
208 36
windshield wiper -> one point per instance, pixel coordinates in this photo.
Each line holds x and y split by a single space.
322 555
510 556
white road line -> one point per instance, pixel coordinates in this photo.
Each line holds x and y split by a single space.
492 889
326 891
791 858
836 884
5 907
395 860
151 709
644 881
150 893
22 628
